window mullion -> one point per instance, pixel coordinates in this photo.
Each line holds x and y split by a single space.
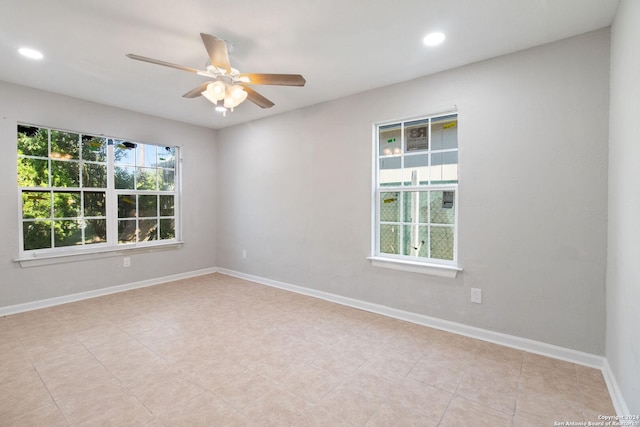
111 197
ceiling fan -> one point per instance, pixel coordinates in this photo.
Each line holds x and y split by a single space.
228 84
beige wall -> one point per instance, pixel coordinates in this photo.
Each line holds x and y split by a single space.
22 285
295 193
623 267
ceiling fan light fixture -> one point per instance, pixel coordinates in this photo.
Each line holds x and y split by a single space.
215 91
235 96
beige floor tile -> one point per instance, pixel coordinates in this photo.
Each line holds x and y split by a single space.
159 393
390 364
594 392
462 413
277 407
104 405
548 406
216 350
418 398
139 364
205 410
22 392
487 389
342 408
48 415
72 383
523 419
244 388
310 383
42 350
395 414
562 384
439 372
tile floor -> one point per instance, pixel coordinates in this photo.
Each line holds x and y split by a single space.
219 351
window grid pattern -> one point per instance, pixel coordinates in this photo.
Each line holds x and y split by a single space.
64 181
416 190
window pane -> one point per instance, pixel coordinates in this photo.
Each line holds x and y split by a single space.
416 206
442 243
94 148
166 179
390 206
444 168
416 170
124 153
416 135
95 231
389 140
389 239
146 179
167 157
36 204
124 179
64 145
444 133
415 240
66 205
33 141
127 206
148 230
67 233
442 207
36 235
65 174
146 155
390 172
147 206
127 231
167 229
95 204
33 173
94 175
166 205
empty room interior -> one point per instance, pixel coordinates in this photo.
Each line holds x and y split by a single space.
296 213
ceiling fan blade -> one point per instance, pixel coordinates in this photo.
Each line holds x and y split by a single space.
274 79
217 50
194 93
256 98
163 63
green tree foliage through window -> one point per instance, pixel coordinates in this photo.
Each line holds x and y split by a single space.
63 179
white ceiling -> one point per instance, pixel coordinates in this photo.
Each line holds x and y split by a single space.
341 47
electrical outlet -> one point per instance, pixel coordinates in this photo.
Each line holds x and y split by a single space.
476 295
244 254
126 262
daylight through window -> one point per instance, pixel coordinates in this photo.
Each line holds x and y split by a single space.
82 191
416 190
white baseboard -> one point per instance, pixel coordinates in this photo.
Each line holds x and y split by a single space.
525 344
35 305
519 343
619 403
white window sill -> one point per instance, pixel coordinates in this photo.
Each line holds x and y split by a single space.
40 259
448 271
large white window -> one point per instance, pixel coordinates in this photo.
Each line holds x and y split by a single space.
416 190
81 193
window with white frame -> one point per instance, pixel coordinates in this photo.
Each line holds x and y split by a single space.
83 192
416 190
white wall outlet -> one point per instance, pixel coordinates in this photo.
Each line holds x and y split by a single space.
126 262
476 295
244 254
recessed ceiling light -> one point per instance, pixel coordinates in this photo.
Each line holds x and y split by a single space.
433 39
30 53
